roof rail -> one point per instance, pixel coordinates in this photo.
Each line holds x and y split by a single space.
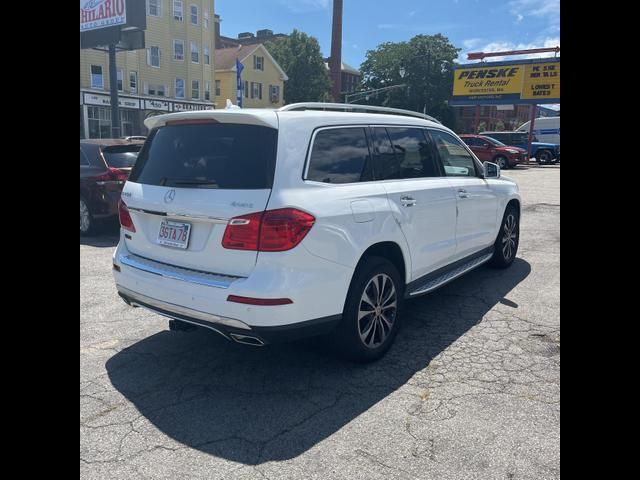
351 107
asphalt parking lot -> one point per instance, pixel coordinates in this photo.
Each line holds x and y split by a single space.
470 389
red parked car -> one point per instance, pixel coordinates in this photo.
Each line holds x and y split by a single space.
489 149
104 168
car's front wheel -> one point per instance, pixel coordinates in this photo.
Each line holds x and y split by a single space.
371 316
502 162
544 156
506 245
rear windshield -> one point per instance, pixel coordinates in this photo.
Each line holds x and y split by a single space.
216 155
121 156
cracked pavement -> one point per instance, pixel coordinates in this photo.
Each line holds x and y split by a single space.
470 389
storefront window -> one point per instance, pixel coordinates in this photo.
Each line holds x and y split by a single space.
99 122
127 122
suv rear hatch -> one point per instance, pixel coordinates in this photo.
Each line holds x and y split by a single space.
195 173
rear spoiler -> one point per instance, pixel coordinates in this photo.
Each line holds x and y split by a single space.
262 117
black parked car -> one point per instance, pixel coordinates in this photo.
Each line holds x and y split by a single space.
104 168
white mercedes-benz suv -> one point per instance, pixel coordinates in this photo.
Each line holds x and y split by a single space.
314 219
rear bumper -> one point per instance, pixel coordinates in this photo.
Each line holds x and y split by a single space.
316 287
231 329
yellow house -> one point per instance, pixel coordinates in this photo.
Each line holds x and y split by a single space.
174 73
262 78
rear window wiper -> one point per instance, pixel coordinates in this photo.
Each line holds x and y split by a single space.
188 183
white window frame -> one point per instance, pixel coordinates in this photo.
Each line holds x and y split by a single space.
120 79
197 52
177 41
95 85
150 57
183 87
158 5
218 88
133 88
256 62
206 54
197 89
180 11
207 90
191 14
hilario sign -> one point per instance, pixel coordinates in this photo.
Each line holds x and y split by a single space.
96 14
523 81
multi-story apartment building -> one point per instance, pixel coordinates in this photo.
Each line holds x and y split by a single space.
262 78
175 71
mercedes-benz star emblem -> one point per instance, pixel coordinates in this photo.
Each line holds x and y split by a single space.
169 196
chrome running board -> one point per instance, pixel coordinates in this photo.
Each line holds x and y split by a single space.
445 278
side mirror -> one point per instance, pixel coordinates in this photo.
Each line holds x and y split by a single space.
491 170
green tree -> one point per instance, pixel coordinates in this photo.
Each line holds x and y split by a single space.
427 61
299 56
499 126
482 126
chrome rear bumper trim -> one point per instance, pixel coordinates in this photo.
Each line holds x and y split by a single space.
166 309
177 273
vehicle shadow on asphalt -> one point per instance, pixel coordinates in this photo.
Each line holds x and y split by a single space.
254 405
105 240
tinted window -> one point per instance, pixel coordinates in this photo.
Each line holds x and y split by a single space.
413 155
83 159
472 141
455 158
121 156
493 141
340 155
216 155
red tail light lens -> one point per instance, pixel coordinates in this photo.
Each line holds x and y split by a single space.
113 175
125 218
271 231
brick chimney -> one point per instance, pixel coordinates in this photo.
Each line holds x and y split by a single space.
335 61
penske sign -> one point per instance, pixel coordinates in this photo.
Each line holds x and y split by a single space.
525 81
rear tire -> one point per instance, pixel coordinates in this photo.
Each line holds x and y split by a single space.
506 244
87 222
376 288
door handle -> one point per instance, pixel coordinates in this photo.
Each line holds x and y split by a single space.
462 193
408 201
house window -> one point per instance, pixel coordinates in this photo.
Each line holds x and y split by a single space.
206 56
154 8
127 122
119 81
153 56
207 90
195 89
97 80
177 10
178 49
194 15
133 82
158 90
217 88
246 89
274 93
179 87
194 52
258 63
206 18
99 122
256 90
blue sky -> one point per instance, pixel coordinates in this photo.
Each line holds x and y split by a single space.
473 25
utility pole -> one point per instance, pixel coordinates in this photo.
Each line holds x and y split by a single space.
335 61
113 87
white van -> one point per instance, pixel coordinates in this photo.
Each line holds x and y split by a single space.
546 129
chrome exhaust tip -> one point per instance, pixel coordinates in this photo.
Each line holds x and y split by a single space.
246 340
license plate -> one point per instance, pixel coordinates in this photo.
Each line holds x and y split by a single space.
174 234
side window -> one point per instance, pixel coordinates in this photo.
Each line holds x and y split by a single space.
471 141
83 159
414 157
457 161
340 155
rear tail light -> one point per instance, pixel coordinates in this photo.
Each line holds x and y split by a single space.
112 175
271 231
125 218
